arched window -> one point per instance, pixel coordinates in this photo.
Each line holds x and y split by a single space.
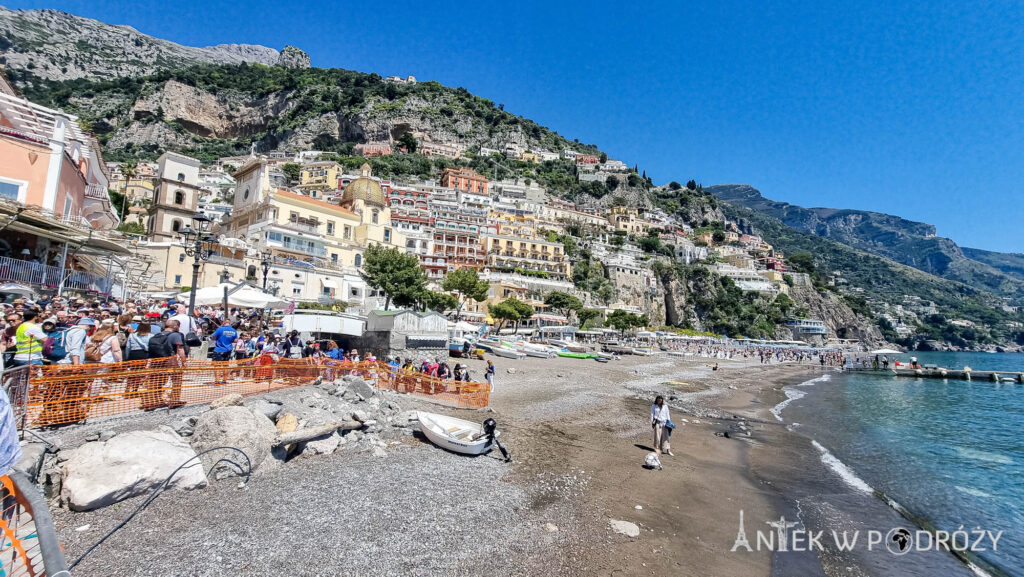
179 197
181 177
359 260
246 195
373 217
176 225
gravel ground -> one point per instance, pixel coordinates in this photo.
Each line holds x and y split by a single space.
419 511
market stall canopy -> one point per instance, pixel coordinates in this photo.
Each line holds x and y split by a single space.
238 296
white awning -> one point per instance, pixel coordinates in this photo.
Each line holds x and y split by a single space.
329 283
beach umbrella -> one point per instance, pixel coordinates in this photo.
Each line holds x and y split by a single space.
886 352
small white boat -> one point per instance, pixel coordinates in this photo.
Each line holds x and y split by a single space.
455 435
678 354
507 353
643 351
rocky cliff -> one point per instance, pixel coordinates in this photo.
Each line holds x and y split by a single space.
59 46
209 110
904 241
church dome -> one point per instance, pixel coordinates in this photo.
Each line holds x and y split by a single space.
364 188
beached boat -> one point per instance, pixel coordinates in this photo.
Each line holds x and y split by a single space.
678 354
574 355
643 351
455 435
619 349
507 353
571 346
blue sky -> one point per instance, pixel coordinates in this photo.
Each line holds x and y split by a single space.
913 108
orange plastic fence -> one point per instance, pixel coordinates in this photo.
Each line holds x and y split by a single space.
60 394
28 542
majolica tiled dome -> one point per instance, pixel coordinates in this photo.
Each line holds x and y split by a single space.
364 188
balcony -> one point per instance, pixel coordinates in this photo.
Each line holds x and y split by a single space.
303 249
311 226
49 277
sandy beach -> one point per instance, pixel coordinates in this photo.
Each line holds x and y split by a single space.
578 432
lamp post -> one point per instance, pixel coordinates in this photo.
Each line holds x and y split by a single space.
265 257
198 243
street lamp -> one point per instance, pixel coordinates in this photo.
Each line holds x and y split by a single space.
198 243
265 256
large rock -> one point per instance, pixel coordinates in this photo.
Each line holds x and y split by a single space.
229 400
268 408
361 387
288 423
134 463
240 427
322 446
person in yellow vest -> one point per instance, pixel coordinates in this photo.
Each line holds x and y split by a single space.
29 338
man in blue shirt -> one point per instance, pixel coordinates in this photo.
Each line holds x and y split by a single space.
224 341
223 347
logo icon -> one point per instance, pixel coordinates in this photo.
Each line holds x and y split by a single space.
898 541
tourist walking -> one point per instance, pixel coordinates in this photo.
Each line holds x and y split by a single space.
660 422
167 349
489 375
138 350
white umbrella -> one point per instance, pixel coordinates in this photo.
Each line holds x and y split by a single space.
886 352
245 297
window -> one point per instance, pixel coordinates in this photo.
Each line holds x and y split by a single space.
348 232
274 236
177 280
334 257
176 225
246 195
67 205
181 177
330 227
387 235
359 260
181 257
297 289
293 217
373 217
12 189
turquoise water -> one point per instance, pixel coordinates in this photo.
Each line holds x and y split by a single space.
951 452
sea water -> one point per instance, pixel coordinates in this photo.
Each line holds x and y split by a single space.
949 451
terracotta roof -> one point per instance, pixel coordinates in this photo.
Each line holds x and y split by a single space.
304 198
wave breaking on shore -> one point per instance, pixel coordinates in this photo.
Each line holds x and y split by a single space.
792 394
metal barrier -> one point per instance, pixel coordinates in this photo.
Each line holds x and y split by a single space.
62 394
29 546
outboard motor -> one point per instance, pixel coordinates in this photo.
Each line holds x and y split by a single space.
490 426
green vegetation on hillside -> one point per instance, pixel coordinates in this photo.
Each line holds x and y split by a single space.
311 92
885 281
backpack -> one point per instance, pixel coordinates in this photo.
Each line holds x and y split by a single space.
158 346
54 348
93 351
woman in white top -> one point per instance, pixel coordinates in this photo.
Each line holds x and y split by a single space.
659 419
110 348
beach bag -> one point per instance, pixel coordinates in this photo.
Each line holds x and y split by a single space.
93 351
158 347
54 348
652 461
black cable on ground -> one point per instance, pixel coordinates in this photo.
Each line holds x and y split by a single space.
162 486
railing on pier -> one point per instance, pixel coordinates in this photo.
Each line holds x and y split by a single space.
63 394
